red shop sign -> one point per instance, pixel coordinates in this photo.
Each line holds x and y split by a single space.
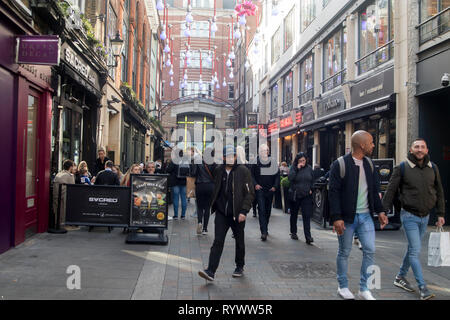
286 122
299 117
272 128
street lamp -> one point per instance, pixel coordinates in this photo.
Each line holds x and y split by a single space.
116 45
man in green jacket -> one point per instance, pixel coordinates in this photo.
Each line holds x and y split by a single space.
420 189
231 201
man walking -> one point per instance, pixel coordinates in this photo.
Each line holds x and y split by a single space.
265 185
354 198
231 201
107 177
420 186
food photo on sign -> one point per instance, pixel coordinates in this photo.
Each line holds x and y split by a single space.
149 201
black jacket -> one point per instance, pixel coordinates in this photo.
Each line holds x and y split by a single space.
107 178
301 180
267 182
99 166
343 193
174 175
420 188
201 174
243 192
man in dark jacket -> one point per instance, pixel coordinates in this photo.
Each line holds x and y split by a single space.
301 180
177 182
231 201
100 162
107 177
354 197
420 186
266 183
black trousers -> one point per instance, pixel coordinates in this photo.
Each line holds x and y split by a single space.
222 224
265 199
306 204
203 194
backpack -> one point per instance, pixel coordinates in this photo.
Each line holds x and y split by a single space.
341 163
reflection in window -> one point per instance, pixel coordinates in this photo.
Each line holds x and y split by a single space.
307 13
288 30
276 46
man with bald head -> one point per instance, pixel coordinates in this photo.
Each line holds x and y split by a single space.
354 199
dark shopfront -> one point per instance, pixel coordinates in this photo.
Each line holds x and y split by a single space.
434 115
133 141
76 110
25 91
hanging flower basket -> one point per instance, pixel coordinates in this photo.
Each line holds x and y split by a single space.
246 8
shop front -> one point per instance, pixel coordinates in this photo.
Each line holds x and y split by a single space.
76 110
434 112
26 94
134 134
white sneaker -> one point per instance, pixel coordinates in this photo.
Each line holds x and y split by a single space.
345 294
169 218
366 295
199 228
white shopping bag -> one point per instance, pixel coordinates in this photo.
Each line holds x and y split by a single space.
439 249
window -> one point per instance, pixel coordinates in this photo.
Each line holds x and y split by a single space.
193 88
163 88
231 91
325 3
195 60
141 78
288 30
276 46
439 24
429 8
287 92
307 13
204 4
199 29
112 27
229 4
375 31
306 79
196 125
135 63
274 101
335 59
125 28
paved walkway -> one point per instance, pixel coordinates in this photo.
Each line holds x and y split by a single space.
280 268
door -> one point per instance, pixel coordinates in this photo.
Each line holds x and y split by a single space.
31 164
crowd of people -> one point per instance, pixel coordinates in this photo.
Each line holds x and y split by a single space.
230 190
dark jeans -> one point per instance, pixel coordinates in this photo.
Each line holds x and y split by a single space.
203 194
222 224
265 199
306 204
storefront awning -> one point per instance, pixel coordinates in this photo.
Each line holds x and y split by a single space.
373 107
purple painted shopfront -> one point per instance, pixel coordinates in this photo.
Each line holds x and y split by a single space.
25 137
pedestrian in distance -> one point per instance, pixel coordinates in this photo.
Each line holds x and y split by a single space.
266 179
301 182
354 199
134 169
150 168
284 169
419 183
107 177
231 201
101 161
177 179
204 188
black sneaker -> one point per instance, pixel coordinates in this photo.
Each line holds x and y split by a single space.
309 241
263 237
425 294
175 217
401 282
294 236
206 274
238 272
182 218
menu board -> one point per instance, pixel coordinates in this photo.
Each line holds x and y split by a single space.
149 201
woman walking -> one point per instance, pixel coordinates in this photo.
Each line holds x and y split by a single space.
300 195
204 187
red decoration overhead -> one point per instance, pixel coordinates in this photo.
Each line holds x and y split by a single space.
246 8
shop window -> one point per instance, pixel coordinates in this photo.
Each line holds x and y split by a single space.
307 13
335 60
71 128
375 35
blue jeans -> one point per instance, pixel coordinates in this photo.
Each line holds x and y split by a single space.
179 191
415 228
363 224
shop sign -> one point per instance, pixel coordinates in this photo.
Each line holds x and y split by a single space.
272 128
39 74
298 117
40 50
77 63
252 120
262 130
373 88
286 122
308 114
331 104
